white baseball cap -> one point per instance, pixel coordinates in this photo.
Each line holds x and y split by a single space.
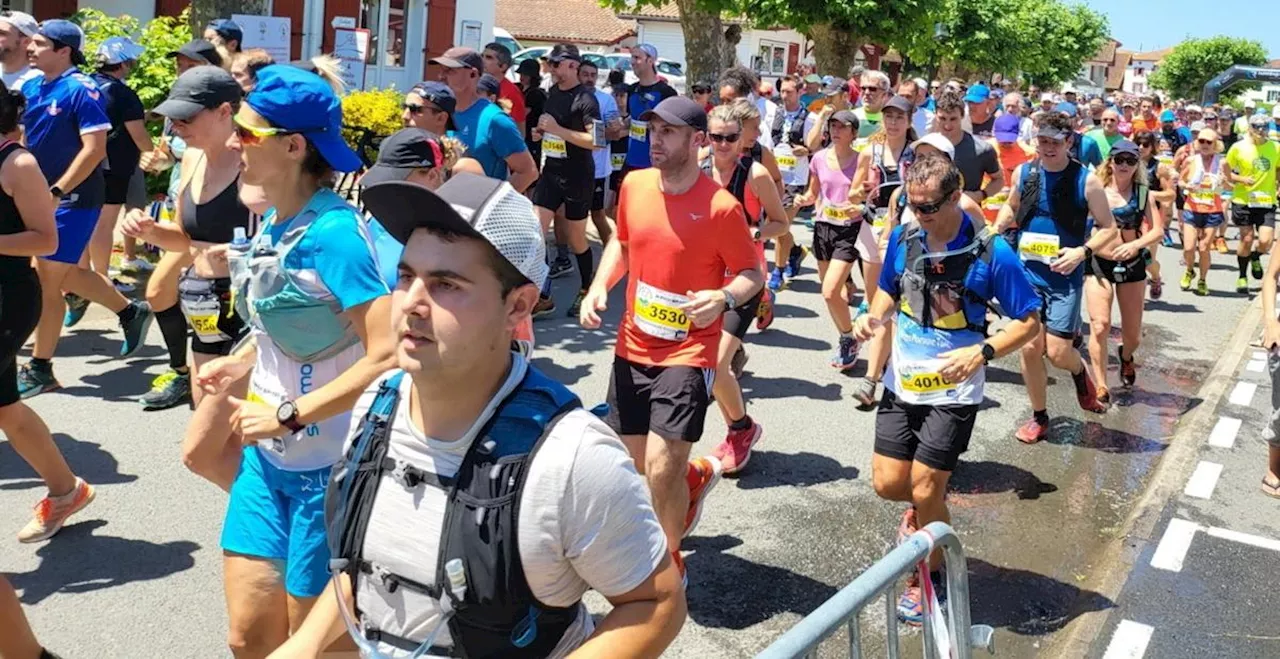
25 23
937 141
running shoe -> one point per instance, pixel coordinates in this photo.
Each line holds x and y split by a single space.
865 392
739 363
1185 282
577 304
560 267
169 389
1087 393
52 513
137 265
735 451
764 313
1202 288
909 524
135 329
1168 239
911 603
702 477
76 306
34 380
1032 431
123 287
545 307
1221 245
776 283
1242 285
794 259
846 355
1255 268
1128 370
1157 288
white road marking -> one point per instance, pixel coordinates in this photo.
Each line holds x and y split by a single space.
1257 365
1245 538
1203 480
1173 546
1130 640
1259 355
1243 393
1224 432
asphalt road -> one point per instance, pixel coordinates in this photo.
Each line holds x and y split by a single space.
138 573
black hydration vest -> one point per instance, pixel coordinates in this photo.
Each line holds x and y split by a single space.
1067 207
924 287
498 615
795 136
737 185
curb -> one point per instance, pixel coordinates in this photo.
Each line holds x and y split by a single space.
1119 556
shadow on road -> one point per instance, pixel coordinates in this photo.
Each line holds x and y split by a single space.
757 388
77 561
987 477
94 342
566 376
729 592
1171 307
87 459
792 341
124 384
792 311
1025 602
772 469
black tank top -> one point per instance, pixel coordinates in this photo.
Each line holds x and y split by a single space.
890 175
215 220
737 182
10 219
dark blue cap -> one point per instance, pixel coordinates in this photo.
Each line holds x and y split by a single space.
302 102
227 29
65 33
489 84
438 93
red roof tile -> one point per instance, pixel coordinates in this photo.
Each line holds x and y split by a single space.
575 21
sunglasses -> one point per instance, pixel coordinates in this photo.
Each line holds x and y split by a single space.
933 207
1108 121
254 135
1125 161
1204 142
872 89
723 139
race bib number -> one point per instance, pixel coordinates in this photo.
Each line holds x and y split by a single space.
203 316
617 160
924 383
787 162
1259 199
657 313
639 130
553 146
1042 247
835 214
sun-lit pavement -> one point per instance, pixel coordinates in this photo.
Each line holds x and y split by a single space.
138 574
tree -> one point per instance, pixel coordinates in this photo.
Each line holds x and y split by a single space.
1059 40
1192 63
705 47
203 11
984 35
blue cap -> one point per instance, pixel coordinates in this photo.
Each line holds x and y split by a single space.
978 93
1006 127
65 33
439 94
119 49
1167 116
302 102
227 29
826 80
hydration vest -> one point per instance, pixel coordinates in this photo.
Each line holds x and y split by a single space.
1133 210
796 135
924 287
498 615
737 185
888 179
1067 206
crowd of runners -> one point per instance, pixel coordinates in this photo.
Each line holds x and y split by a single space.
401 479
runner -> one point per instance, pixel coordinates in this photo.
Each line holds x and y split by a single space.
490 135
1048 214
429 106
702 94
614 130
980 119
535 98
1163 181
497 61
646 93
674 255
568 176
874 86
16 31
1271 343
246 64
1250 166
1202 178
319 336
841 237
1108 131
930 404
913 90
793 122
766 219
976 158
66 130
618 148
1120 277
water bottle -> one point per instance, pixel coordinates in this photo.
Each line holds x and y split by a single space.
1119 271
238 255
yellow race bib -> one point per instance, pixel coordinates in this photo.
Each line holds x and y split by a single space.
639 130
553 146
1042 247
923 383
657 313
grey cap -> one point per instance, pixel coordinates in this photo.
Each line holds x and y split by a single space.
899 103
200 88
199 50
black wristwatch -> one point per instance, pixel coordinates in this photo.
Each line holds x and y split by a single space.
287 416
57 192
1088 252
988 353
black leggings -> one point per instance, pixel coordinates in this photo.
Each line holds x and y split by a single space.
19 313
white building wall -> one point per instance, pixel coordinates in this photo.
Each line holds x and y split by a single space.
752 40
666 36
481 11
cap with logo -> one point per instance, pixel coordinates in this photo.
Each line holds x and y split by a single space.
833 86
564 51
200 51
1006 127
460 57
302 102
199 88
978 93
680 111
401 153
20 21
937 141
65 34
438 93
117 50
1259 121
470 205
489 85
227 29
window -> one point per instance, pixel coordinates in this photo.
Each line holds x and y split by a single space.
1139 71
771 58
1139 88
386 39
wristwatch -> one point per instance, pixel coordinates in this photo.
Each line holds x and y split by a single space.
287 416
1088 252
57 192
988 353
730 302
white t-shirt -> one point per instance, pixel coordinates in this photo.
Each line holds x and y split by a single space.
608 112
586 521
922 121
18 78
768 111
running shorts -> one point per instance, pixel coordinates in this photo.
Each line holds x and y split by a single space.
669 401
200 299
1135 270
137 195
19 314
738 319
75 228
931 435
849 243
117 184
597 193
1060 310
789 194
1202 220
1249 216
554 189
279 515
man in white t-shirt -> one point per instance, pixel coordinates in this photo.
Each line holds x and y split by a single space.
573 504
16 30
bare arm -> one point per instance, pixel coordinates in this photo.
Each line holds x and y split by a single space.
523 170
813 140
93 148
643 622
996 184
469 166
858 187
777 222
1104 222
1015 335
21 179
1270 323
138 131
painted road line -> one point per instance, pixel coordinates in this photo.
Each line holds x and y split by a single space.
1130 640
1245 538
1173 546
1259 355
1243 393
1257 365
1224 432
1203 480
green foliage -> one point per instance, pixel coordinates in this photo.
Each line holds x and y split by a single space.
1057 40
871 21
154 74
1194 62
377 110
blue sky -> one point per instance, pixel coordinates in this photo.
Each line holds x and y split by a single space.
1143 25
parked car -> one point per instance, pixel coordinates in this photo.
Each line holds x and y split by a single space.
537 52
671 71
503 37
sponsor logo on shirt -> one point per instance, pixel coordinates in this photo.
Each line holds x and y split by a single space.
54 110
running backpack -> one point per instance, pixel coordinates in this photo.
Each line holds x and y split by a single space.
1067 205
934 294
498 615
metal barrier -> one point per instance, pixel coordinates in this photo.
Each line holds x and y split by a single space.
881 579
